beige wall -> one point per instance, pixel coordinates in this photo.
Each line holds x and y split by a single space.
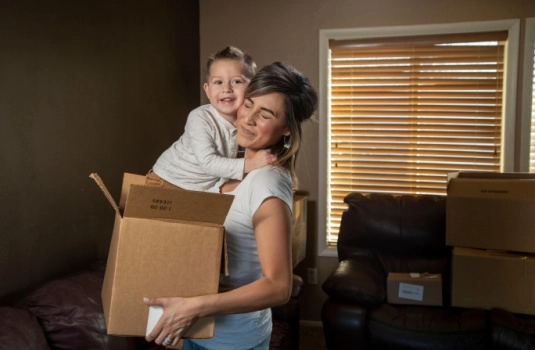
287 30
85 86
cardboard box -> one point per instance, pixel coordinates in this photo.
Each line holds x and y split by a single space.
299 228
489 279
414 288
165 242
491 211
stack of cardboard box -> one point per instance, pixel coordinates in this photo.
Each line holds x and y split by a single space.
490 223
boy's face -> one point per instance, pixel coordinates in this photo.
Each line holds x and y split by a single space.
226 87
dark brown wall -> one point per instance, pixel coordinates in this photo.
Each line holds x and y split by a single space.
85 86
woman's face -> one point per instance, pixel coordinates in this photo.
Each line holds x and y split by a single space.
261 121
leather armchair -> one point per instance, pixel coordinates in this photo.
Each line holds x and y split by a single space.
382 233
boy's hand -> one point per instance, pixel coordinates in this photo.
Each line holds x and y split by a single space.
260 159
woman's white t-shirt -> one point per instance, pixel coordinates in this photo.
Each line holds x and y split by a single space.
244 331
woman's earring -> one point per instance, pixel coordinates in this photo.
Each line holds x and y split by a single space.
287 142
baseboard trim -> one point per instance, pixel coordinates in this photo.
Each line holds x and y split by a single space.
308 323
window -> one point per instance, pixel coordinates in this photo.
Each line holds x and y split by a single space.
405 106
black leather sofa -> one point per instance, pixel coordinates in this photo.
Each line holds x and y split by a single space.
66 314
382 233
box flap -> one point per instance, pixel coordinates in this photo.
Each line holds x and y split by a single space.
129 180
501 188
490 175
107 193
168 203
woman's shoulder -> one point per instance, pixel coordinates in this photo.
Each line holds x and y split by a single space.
265 182
271 178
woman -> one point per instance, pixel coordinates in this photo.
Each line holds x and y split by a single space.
258 224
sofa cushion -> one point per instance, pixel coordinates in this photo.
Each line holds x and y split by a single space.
20 330
355 281
437 328
512 331
70 312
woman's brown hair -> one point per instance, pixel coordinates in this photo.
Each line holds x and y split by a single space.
300 103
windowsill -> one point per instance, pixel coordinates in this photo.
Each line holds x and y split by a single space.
328 252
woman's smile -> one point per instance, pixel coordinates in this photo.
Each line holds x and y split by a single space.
247 131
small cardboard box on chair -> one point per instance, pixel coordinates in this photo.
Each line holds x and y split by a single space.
165 243
414 288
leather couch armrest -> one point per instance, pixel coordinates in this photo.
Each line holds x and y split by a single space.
356 280
511 331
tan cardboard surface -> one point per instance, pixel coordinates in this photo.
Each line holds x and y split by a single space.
414 289
491 213
487 279
299 228
129 180
168 203
153 257
489 175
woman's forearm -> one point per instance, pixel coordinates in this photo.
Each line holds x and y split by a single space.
261 294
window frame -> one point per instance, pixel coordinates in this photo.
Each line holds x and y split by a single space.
509 104
527 99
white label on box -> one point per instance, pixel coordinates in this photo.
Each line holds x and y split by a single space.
411 291
155 312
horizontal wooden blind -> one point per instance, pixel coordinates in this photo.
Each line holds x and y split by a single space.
406 111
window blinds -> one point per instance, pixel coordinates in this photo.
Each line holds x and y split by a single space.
405 111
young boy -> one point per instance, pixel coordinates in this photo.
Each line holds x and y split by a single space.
207 150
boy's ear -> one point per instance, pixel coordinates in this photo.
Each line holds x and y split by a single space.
206 88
